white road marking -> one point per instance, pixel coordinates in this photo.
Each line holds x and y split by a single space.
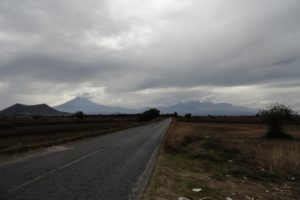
52 172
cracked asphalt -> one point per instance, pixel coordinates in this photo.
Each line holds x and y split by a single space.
107 167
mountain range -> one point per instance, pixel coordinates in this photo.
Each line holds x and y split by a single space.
194 107
89 107
207 108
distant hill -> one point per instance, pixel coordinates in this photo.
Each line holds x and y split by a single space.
31 110
207 108
87 106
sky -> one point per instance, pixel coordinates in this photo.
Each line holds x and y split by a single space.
137 53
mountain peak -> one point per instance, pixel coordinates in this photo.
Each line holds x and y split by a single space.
85 105
80 98
194 107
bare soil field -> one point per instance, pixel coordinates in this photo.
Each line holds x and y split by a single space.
26 134
232 161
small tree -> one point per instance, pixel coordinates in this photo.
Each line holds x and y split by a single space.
275 116
150 114
188 116
153 112
175 114
79 115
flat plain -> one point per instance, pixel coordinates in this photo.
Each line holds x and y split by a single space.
19 135
226 160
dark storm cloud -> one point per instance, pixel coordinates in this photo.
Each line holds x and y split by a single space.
41 67
127 47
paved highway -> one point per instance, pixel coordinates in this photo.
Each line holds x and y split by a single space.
109 167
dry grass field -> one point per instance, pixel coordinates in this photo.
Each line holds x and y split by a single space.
26 134
226 160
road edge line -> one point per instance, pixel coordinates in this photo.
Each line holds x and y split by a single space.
143 181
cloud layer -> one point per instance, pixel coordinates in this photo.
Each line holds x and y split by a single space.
139 53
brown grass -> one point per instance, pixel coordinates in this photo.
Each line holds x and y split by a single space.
226 160
181 136
282 158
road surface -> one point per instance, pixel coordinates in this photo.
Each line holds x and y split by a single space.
109 167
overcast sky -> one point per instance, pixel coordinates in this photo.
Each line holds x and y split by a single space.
139 53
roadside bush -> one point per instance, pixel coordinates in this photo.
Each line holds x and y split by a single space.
275 116
150 114
188 116
175 114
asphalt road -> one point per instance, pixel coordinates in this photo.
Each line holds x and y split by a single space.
107 167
